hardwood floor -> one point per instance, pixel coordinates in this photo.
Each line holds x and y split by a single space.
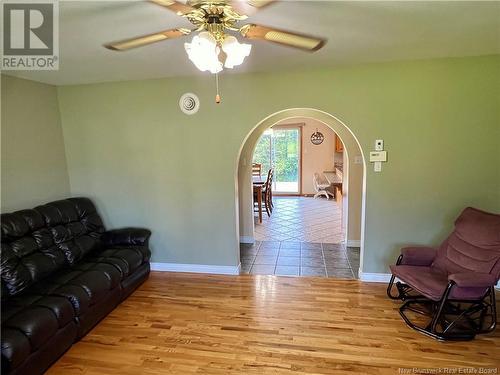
210 324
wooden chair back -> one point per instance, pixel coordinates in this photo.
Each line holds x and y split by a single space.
256 169
269 181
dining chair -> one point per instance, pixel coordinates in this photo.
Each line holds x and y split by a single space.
320 187
267 194
256 169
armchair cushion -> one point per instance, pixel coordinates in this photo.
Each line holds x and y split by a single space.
418 255
432 284
126 237
423 279
472 279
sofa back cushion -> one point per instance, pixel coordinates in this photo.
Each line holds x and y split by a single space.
474 245
38 242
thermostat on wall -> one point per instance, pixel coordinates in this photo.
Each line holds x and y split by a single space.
378 156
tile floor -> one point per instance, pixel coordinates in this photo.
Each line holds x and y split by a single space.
288 258
302 219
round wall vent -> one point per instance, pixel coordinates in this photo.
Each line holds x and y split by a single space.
189 103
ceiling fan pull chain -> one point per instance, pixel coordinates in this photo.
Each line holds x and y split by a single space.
217 96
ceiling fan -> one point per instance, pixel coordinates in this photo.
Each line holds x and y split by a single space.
213 48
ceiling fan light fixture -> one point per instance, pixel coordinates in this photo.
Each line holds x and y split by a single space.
235 51
204 52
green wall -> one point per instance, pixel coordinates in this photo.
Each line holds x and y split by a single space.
146 163
33 160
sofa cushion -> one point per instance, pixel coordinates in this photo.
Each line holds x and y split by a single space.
75 226
15 348
126 260
37 243
69 293
109 275
83 286
76 295
37 323
28 321
60 307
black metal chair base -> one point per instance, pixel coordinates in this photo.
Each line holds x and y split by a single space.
429 331
450 320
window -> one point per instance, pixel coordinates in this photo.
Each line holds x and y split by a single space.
280 148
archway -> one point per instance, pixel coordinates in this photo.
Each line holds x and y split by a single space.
354 181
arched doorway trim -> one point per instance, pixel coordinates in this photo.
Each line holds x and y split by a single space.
243 161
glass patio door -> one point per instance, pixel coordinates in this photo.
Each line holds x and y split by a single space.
280 148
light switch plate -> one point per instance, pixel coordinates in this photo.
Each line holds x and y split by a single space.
377 166
379 145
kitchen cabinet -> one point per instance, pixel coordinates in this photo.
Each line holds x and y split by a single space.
339 146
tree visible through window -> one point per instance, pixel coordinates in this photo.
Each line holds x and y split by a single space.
280 148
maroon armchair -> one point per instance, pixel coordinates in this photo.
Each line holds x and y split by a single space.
453 285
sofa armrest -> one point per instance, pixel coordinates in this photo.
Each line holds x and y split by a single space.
418 255
126 236
472 279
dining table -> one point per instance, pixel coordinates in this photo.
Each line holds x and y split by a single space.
258 184
334 180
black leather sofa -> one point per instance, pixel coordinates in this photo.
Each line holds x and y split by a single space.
61 273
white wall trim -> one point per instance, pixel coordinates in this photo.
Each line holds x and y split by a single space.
353 243
374 277
196 268
247 239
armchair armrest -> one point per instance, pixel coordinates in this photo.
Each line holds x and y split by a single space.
126 236
418 255
472 279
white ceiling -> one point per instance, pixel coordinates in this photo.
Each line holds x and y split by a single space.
357 32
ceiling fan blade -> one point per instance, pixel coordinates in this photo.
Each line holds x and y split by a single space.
286 38
140 41
248 7
174 6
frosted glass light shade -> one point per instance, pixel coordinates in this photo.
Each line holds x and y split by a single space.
204 52
235 51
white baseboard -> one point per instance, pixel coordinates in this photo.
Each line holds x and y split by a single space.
353 243
196 268
374 277
247 239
